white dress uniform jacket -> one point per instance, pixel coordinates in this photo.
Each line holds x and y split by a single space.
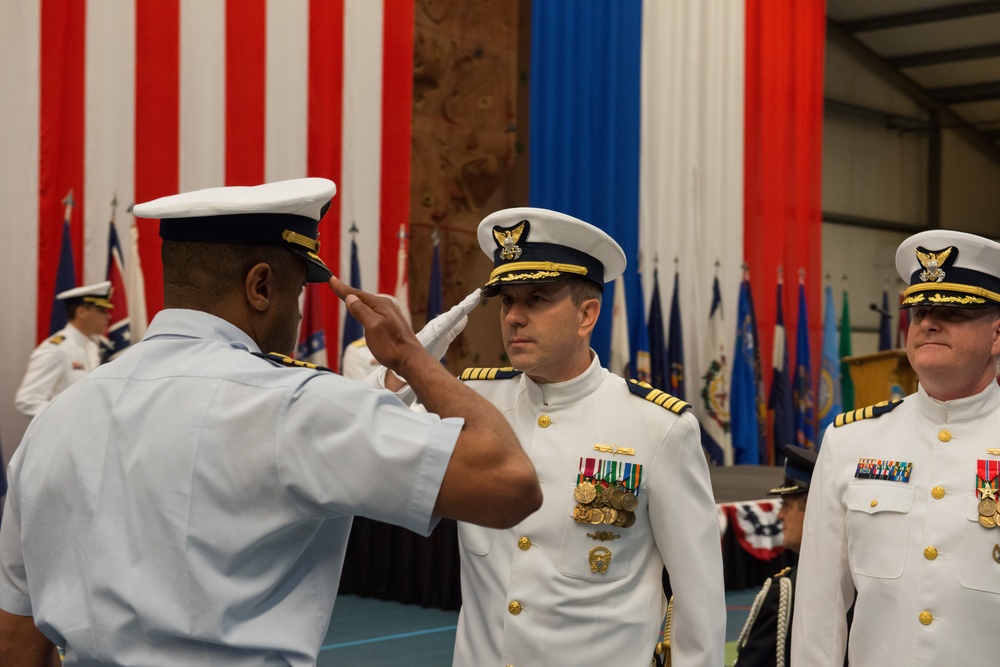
204 518
58 362
358 362
530 595
927 573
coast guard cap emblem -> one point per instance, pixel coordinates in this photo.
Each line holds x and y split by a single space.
507 239
932 263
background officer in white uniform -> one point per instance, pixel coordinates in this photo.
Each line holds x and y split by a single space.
189 503
358 362
903 501
624 478
69 354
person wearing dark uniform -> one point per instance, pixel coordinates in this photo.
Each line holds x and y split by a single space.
903 501
766 637
69 354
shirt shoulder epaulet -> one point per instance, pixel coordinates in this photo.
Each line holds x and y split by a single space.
784 572
361 342
876 410
285 360
654 395
56 340
504 373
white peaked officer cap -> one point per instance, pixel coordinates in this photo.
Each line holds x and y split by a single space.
98 294
284 214
536 245
946 268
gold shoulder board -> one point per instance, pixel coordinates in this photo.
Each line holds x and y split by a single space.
361 342
783 572
489 373
285 360
661 398
56 340
876 410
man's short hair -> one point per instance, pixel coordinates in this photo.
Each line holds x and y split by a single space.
206 272
582 289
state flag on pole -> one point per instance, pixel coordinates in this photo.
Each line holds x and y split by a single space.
352 328
659 375
312 335
885 324
712 404
640 339
434 293
66 272
904 324
802 390
402 279
830 404
743 404
675 344
780 399
119 332
620 358
135 287
846 383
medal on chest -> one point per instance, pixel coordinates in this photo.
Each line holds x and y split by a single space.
986 491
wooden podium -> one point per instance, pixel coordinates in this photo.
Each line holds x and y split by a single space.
881 376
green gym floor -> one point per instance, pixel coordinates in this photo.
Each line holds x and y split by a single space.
375 633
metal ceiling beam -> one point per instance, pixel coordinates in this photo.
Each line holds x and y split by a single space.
875 63
974 92
949 56
889 121
922 16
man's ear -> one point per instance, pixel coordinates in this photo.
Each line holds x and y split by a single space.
590 309
258 286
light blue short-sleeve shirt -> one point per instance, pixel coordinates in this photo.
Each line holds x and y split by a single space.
190 503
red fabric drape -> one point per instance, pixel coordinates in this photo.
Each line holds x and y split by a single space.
782 163
157 127
325 158
61 144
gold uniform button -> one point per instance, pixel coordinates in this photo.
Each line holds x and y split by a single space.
515 608
544 421
874 503
938 492
523 543
930 553
944 436
926 617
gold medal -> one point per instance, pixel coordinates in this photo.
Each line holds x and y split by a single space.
620 519
616 498
610 514
584 492
629 502
987 521
600 559
596 516
600 499
629 518
987 507
581 514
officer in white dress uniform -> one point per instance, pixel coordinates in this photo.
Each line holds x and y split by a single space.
902 508
70 353
625 483
189 502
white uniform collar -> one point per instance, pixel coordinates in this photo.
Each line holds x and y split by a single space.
198 324
564 393
961 409
77 336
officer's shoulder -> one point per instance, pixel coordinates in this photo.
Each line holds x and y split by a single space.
784 573
284 360
657 396
870 412
361 342
57 339
504 373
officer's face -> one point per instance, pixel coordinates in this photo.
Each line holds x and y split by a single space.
92 320
545 334
791 516
953 350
